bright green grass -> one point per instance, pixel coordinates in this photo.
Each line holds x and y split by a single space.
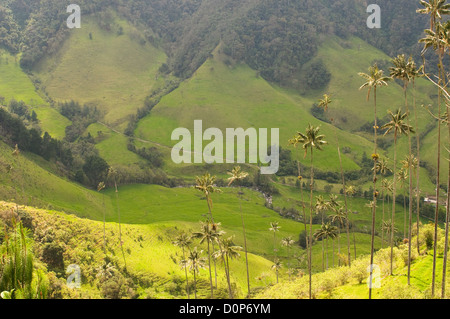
232 97
114 72
32 184
345 62
15 84
113 146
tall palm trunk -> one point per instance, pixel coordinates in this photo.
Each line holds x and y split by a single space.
382 219
418 167
120 225
447 213
245 241
374 208
195 285
230 293
394 189
209 266
303 207
310 222
441 80
186 274
345 198
447 219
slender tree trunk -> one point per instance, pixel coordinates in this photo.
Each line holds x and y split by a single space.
195 285
120 225
382 220
326 238
345 197
447 213
410 188
220 248
433 282
418 167
209 266
394 188
186 274
215 267
374 208
310 223
245 241
303 208
404 210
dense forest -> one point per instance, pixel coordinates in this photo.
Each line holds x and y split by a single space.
275 38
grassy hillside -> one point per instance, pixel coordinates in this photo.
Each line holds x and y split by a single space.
81 242
217 93
351 283
112 69
15 84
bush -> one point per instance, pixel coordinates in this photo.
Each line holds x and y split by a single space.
52 254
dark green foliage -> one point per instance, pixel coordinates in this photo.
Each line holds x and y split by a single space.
13 131
95 169
287 165
318 113
316 75
152 154
9 31
52 254
277 38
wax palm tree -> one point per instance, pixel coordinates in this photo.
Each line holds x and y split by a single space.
324 232
399 127
435 38
435 8
383 168
388 227
277 266
340 218
413 74
208 234
446 40
324 103
402 71
274 227
183 241
351 191
206 184
112 173
287 242
386 188
312 139
195 262
100 187
402 177
228 251
295 142
237 175
374 79
321 206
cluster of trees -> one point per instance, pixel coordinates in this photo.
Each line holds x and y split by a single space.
81 117
14 132
275 38
9 31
